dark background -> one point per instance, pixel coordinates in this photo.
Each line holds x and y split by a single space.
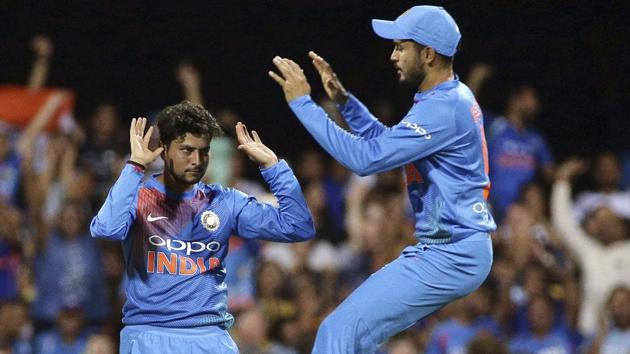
575 53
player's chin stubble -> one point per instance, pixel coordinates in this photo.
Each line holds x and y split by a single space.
411 79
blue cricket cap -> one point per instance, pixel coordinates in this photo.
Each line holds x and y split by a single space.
431 26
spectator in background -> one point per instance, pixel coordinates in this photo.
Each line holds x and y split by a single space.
536 283
17 167
17 158
241 279
274 294
600 247
239 180
68 269
10 169
516 151
376 231
613 335
540 337
15 328
606 176
328 185
68 337
486 345
335 185
104 149
12 258
469 320
252 334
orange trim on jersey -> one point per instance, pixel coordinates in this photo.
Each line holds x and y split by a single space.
486 164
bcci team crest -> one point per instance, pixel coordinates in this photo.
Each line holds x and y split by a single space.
210 220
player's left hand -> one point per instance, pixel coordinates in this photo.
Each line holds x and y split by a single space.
254 148
292 79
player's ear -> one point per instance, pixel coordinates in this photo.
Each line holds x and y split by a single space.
163 153
430 55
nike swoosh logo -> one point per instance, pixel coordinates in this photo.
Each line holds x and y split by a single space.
152 219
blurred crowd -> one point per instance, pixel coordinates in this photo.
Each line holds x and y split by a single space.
560 281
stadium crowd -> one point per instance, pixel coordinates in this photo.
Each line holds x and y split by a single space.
560 281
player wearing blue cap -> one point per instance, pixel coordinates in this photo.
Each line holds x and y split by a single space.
174 232
441 145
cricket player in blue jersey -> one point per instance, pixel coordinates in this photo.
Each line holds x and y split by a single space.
440 143
174 232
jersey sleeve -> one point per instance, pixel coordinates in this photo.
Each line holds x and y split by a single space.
425 130
118 212
290 222
359 118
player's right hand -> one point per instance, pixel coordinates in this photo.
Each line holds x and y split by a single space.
139 141
331 82
254 147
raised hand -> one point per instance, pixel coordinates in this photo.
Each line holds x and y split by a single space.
187 75
42 46
570 168
253 147
335 90
292 80
139 141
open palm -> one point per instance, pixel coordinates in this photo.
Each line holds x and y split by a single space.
253 147
139 141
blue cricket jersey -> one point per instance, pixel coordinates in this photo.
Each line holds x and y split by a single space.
441 144
175 244
515 157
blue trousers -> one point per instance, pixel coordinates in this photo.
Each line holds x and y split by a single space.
142 339
419 282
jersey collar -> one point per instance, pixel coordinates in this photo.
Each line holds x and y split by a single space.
154 183
445 86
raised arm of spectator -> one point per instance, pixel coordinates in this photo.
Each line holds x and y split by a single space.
37 186
42 48
477 76
26 142
573 235
189 77
36 183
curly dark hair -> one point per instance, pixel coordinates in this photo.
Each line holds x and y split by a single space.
186 117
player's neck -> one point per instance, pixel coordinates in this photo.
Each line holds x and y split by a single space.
436 77
171 184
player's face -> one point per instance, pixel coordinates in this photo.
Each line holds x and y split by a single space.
186 158
406 58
